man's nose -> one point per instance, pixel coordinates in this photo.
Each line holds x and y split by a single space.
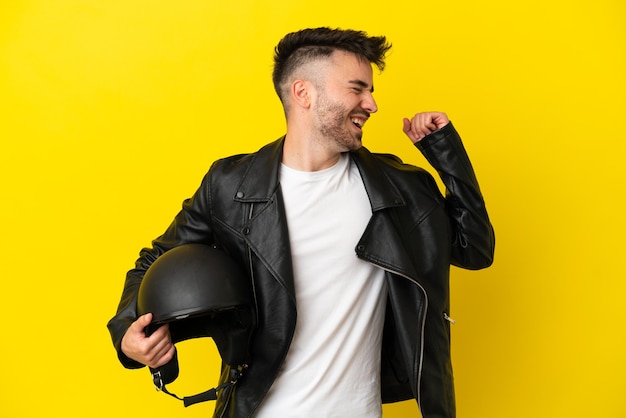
369 104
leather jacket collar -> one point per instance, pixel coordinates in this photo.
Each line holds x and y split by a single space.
261 180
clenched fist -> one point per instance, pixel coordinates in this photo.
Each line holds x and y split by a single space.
423 124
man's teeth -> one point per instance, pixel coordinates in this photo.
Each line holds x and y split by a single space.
358 122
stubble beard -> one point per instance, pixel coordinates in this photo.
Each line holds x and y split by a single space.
332 119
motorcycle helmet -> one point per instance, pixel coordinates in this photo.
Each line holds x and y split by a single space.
199 291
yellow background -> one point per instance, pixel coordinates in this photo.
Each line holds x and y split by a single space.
111 112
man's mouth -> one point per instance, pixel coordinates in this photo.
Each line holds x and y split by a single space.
358 121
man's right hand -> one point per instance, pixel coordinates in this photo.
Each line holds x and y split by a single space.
153 351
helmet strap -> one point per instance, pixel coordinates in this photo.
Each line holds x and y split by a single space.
209 395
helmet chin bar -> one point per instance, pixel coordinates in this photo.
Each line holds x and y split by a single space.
209 395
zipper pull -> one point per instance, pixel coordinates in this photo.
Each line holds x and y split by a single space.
447 318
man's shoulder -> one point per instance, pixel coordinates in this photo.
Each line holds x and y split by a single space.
392 164
237 163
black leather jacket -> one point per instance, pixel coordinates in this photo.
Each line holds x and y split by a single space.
414 234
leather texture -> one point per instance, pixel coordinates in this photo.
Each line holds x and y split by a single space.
415 234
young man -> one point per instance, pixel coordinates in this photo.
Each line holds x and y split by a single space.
349 252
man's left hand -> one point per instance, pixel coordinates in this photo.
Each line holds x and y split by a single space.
423 124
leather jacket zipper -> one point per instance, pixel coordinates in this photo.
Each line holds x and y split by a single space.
419 373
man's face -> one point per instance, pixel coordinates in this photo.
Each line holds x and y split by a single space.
344 101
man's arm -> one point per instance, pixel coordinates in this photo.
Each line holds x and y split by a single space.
192 224
433 134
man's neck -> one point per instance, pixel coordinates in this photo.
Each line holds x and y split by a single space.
307 154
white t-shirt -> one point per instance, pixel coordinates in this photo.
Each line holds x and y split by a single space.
333 365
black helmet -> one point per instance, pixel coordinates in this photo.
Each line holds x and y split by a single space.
200 292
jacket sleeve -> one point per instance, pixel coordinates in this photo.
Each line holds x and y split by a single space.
474 240
191 224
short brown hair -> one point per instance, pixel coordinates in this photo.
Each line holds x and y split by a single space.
297 48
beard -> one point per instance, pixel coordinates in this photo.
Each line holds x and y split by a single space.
334 124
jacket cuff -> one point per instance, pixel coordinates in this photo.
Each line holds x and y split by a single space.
127 362
435 137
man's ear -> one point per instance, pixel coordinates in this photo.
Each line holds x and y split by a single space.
301 93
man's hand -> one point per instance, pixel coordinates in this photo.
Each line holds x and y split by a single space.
153 351
423 124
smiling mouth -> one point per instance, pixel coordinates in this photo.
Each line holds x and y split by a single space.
358 122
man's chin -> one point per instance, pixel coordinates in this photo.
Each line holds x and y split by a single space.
356 144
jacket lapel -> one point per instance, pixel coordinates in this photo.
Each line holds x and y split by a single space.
267 221
265 230
381 242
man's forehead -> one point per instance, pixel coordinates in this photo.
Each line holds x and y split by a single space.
355 69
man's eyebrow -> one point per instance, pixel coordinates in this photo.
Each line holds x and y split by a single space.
362 84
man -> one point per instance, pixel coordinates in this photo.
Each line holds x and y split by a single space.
348 252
